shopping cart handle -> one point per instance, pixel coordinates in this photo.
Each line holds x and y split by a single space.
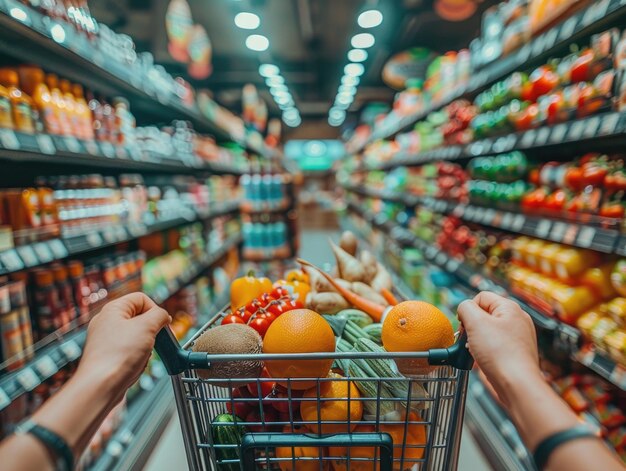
458 355
175 359
251 441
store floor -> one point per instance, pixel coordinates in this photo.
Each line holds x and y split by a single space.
169 453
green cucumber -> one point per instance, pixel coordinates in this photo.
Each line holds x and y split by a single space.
226 431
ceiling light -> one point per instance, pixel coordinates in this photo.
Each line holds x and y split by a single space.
257 42
343 99
370 19
277 90
347 89
287 105
357 55
350 80
362 41
341 106
283 99
335 122
293 123
290 113
268 70
274 81
337 114
245 20
354 70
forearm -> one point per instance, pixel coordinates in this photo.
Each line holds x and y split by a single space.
539 412
74 413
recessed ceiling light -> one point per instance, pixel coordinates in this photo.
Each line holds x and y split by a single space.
357 55
350 80
362 40
293 123
268 70
343 99
370 19
279 90
341 106
257 42
274 81
246 20
290 113
347 89
283 100
354 70
335 122
337 114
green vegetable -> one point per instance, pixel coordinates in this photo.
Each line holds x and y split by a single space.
357 316
374 331
226 431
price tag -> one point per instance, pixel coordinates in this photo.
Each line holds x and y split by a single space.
543 228
28 255
558 231
94 239
542 136
488 216
91 147
441 259
11 260
431 252
549 38
507 221
469 213
5 400
591 127
585 237
596 11
43 252
57 248
107 149
45 143
528 138
609 124
538 45
558 134
120 233
458 211
576 130
617 376
121 153
568 28
109 235
518 223
452 265
570 234
71 350
28 379
72 144
46 367
8 139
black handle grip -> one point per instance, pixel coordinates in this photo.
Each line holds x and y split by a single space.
268 440
457 355
175 359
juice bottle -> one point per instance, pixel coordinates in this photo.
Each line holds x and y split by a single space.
6 117
21 104
81 289
58 102
69 311
83 112
47 303
70 107
33 83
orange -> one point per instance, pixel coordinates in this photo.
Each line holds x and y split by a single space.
299 452
337 408
415 326
415 437
299 331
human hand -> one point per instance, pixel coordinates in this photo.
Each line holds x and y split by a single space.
120 339
502 340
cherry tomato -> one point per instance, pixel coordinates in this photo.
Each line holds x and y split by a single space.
232 319
271 317
279 292
253 306
277 307
244 314
267 298
260 324
292 304
263 388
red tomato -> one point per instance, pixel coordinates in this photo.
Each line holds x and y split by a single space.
279 292
580 68
277 307
267 298
271 317
232 319
262 425
292 304
282 402
244 314
260 325
241 408
263 388
544 80
253 306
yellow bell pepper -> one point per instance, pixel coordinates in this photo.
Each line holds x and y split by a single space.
295 287
245 289
298 275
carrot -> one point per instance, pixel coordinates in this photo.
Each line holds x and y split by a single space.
374 310
389 297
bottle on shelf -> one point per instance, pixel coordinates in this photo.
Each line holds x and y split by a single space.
33 81
70 106
86 130
6 116
22 105
58 102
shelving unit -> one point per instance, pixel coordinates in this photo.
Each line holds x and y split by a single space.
557 39
64 348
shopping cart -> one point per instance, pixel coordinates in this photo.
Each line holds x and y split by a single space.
422 432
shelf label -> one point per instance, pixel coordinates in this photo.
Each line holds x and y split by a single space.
585 237
45 143
558 231
107 149
28 255
528 138
91 147
440 259
72 144
11 260
9 139
568 28
558 134
542 136
543 228
596 11
5 400
488 216
518 223
94 239
43 252
46 366
28 379
591 127
617 376
452 265
71 350
507 220
609 124
57 248
576 130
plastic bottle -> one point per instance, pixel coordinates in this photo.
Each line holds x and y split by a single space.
33 83
58 102
125 121
22 107
83 112
70 107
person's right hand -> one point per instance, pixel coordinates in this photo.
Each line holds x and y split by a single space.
121 337
501 338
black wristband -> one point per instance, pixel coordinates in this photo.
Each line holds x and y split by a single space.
548 445
53 442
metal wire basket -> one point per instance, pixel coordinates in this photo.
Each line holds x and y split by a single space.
321 428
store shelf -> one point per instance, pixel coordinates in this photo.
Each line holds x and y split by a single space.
66 151
593 19
493 430
606 367
65 348
575 234
35 38
249 207
41 253
598 127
